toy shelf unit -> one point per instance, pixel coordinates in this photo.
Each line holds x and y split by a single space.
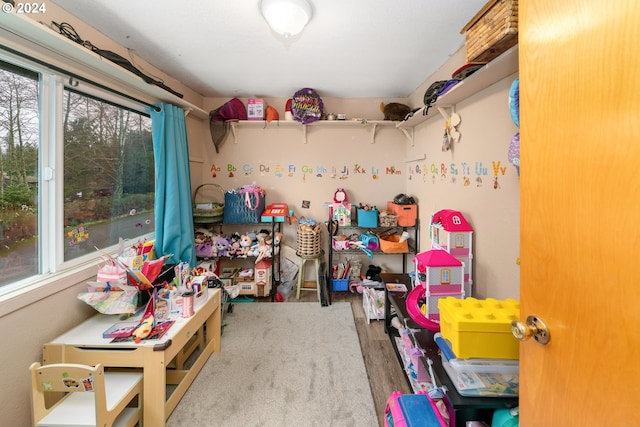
357 244
451 232
256 269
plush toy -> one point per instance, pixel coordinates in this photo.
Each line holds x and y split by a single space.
144 329
222 245
264 249
234 249
278 239
373 273
245 244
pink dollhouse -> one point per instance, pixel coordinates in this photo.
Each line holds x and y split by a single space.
450 231
441 275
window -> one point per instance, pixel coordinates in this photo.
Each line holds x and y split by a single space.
108 174
19 147
77 172
445 276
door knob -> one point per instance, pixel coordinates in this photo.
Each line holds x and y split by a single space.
533 327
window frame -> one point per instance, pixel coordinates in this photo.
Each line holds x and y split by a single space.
56 274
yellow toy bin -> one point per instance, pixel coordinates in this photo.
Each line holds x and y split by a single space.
480 328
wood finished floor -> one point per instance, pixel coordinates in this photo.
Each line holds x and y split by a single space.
383 369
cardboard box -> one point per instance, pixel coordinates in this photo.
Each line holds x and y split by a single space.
255 109
480 328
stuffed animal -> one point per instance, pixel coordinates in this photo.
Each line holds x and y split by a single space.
373 273
394 111
264 249
222 244
278 239
234 249
245 244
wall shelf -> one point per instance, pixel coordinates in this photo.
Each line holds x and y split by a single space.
496 70
369 124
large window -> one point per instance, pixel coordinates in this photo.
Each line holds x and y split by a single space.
108 174
76 169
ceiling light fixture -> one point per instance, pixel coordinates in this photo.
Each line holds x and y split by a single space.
286 17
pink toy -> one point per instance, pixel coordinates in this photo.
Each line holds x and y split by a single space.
438 275
414 310
413 410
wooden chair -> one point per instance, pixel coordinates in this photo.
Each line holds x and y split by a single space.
92 397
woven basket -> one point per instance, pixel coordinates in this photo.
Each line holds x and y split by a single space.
205 209
492 31
388 220
308 240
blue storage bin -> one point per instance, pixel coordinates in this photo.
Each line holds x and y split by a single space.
367 218
339 285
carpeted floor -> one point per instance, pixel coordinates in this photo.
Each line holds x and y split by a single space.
287 364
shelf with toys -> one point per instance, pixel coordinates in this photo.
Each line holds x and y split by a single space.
245 255
393 231
492 72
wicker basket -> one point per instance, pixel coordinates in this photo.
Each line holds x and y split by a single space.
388 220
205 209
308 241
492 31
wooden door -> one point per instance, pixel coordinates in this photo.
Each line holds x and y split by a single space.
580 210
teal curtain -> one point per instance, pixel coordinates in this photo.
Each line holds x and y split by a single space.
173 211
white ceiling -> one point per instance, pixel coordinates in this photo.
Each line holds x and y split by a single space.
349 49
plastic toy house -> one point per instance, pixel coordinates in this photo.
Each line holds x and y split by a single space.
442 275
450 231
342 214
263 277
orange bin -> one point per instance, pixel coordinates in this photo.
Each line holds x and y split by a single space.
407 214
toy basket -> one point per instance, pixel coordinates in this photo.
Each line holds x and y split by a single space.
340 245
388 219
244 205
393 245
205 209
308 240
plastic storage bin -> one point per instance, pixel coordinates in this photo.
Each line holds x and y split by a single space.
480 377
407 214
480 328
367 218
340 285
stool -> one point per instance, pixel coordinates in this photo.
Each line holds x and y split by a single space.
303 260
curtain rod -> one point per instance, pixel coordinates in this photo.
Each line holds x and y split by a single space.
78 77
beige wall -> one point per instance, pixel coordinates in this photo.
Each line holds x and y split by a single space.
486 129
